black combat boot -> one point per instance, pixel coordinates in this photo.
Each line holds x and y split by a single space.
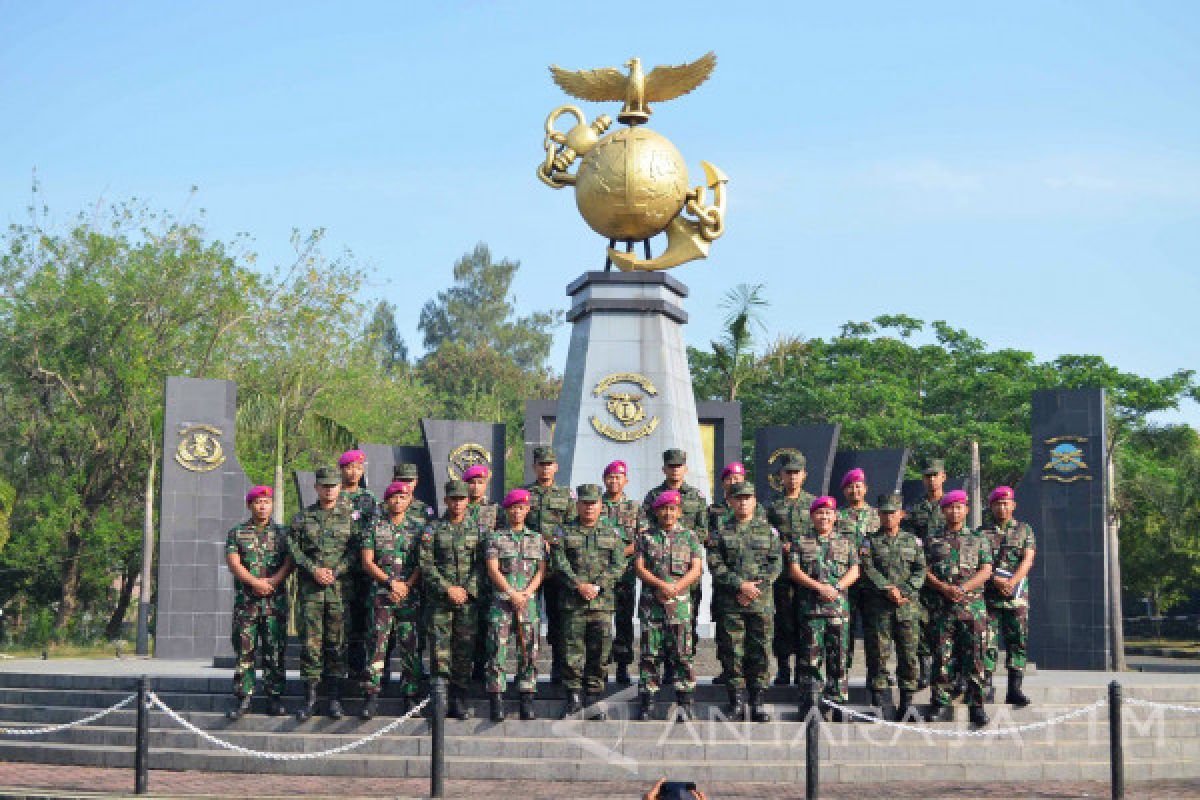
335 703
978 716
905 704
923 669
496 706
683 701
275 706
1015 697
407 702
646 712
458 705
758 713
623 675
370 706
784 676
597 712
527 710
310 701
737 705
884 703
939 712
243 708
573 705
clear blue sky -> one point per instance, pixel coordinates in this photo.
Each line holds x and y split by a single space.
1028 171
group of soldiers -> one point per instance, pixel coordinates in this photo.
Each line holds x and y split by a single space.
383 581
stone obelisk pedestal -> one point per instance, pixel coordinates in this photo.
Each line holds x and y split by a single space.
627 390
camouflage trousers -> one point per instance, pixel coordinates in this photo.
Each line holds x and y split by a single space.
885 627
665 641
552 603
1010 625
855 598
963 628
321 623
394 631
743 645
359 613
697 593
508 628
587 640
626 601
452 632
783 644
480 659
260 627
821 654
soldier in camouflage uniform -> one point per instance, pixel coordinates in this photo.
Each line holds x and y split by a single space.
856 519
959 563
452 566
257 554
718 513
486 515
824 565
924 520
417 510
893 570
745 557
588 559
668 559
550 505
1013 548
693 514
626 514
323 541
516 565
390 549
787 511
364 508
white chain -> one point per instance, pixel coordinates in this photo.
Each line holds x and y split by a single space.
333 751
1134 701
1032 726
66 725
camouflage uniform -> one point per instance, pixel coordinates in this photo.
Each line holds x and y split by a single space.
694 516
924 520
666 627
626 515
739 552
1008 617
898 561
592 555
452 555
824 626
320 538
364 508
520 554
394 625
955 558
488 517
549 507
259 622
858 523
789 517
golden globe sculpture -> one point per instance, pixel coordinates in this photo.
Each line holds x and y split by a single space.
632 185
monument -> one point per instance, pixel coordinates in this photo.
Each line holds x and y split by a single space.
627 389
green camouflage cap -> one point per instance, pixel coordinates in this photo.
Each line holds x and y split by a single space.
743 489
327 476
404 472
793 462
674 457
544 455
891 501
933 466
588 493
456 488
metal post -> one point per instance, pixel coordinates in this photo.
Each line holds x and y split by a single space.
812 733
141 740
437 766
1116 745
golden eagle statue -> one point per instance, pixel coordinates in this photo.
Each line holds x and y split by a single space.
636 89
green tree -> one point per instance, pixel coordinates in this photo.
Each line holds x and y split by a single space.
478 311
384 337
733 354
8 496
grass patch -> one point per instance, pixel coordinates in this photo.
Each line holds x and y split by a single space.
1173 644
95 650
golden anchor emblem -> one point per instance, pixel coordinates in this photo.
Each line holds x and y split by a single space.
632 185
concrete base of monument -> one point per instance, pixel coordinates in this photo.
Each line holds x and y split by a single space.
709 750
